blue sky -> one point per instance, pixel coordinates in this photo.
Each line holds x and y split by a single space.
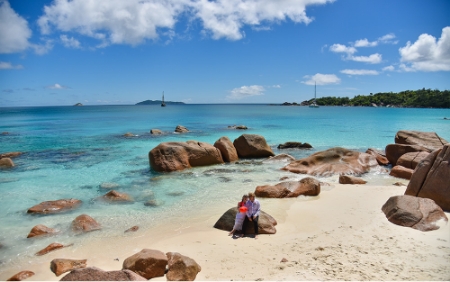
224 51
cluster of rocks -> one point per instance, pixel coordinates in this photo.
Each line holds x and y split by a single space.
6 159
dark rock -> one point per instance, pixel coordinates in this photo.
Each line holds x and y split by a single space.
415 212
21 276
401 172
60 266
85 223
226 148
181 268
147 263
307 187
266 223
96 274
41 230
347 179
334 161
296 145
156 131
252 146
57 206
181 129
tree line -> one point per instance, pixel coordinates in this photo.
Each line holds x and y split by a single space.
422 98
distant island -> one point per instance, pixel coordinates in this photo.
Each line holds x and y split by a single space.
422 98
78 105
158 102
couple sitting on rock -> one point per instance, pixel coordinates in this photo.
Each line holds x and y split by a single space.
248 211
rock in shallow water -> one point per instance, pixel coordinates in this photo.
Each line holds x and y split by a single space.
294 145
57 206
41 230
50 248
226 148
252 146
114 197
85 223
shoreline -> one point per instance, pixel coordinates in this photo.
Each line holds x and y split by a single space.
341 234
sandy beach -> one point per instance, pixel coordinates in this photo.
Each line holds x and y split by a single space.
341 234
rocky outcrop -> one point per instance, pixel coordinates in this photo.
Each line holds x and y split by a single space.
181 268
307 187
21 276
60 266
57 206
181 129
401 172
395 151
294 145
431 178
239 127
41 230
50 248
173 156
410 160
347 179
266 223
147 263
379 155
155 131
333 161
280 158
129 134
85 223
429 140
11 155
252 146
226 148
415 212
114 196
6 163
96 274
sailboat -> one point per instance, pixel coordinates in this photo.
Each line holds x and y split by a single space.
314 104
163 104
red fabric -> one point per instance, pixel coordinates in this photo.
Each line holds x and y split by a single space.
240 204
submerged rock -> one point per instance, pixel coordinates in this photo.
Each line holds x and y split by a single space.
307 187
96 274
266 223
147 263
57 206
181 129
60 266
334 161
41 230
129 134
173 156
226 148
109 185
114 196
252 146
294 145
181 268
21 276
10 155
85 223
415 212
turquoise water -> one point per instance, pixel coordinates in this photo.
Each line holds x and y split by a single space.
70 151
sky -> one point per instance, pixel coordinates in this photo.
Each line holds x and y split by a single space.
63 52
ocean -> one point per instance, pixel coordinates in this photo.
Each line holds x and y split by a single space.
70 151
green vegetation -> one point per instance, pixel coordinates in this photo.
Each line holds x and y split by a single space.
422 98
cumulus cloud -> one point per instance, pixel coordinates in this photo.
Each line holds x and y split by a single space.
372 59
365 43
389 68
359 72
276 86
339 48
427 54
321 79
385 39
69 42
14 31
57 86
246 91
134 21
9 66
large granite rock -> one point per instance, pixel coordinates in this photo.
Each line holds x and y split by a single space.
85 223
96 274
147 263
379 155
401 172
266 223
333 161
173 156
115 197
181 268
395 151
431 178
429 140
6 163
57 206
252 146
415 212
41 230
280 158
155 131
50 248
307 187
294 145
226 148
181 129
410 160
60 266
21 276
348 179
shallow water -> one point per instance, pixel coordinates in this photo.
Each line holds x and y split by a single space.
70 151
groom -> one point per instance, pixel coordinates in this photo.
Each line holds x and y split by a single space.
253 210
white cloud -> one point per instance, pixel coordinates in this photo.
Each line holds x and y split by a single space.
339 48
426 54
388 39
69 42
359 72
365 43
321 79
372 59
57 86
389 68
43 48
276 86
246 91
134 21
9 66
14 31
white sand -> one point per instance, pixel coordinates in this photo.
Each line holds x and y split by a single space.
340 235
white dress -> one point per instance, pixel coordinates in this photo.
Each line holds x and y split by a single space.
240 216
